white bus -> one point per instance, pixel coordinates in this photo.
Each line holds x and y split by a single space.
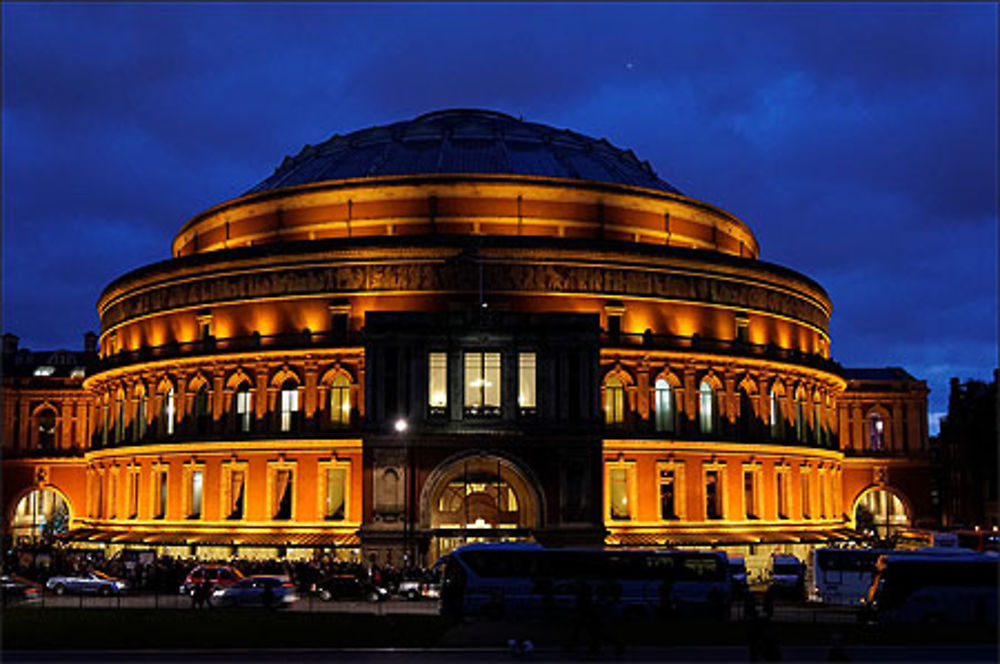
915 588
843 576
518 579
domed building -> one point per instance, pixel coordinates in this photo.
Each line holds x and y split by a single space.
457 328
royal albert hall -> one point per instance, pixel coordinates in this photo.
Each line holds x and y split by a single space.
460 327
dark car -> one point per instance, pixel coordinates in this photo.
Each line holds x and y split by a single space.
217 576
349 587
16 590
261 590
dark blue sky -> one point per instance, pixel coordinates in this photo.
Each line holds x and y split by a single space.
858 141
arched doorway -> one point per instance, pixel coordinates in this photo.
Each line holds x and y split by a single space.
880 512
39 516
478 497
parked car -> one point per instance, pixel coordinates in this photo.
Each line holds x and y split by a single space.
260 590
90 582
217 576
417 585
16 590
349 587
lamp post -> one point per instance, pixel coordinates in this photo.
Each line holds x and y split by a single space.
401 426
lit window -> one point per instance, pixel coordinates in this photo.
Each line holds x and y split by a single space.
334 503
482 384
289 404
340 401
706 408
281 495
132 490
806 495
195 494
781 489
775 416
168 412
139 430
243 407
614 401
668 495
750 494
664 406
235 493
526 399
876 432
619 494
160 494
46 429
437 383
713 495
44 370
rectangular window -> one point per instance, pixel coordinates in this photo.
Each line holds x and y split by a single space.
281 505
781 494
526 400
668 495
750 494
334 503
236 493
482 384
195 494
620 509
437 384
99 502
713 501
113 493
133 493
806 498
160 494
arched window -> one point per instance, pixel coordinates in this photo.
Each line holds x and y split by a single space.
614 401
664 406
876 432
242 407
168 410
202 414
119 418
289 405
819 433
46 422
340 401
800 419
139 429
746 428
777 423
706 408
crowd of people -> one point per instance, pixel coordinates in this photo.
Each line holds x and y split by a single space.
144 571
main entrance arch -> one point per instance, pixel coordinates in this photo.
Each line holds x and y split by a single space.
881 510
479 497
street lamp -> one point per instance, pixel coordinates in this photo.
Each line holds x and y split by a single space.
401 425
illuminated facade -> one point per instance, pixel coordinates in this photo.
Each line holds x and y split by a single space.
465 326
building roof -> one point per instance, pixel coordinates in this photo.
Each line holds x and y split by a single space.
464 141
883 373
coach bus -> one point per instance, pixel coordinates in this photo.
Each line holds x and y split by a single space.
521 579
912 587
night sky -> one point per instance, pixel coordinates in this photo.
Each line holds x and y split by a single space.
858 142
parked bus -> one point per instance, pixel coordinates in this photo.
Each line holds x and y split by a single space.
922 539
916 587
527 579
843 576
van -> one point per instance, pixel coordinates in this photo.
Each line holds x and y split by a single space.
787 576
